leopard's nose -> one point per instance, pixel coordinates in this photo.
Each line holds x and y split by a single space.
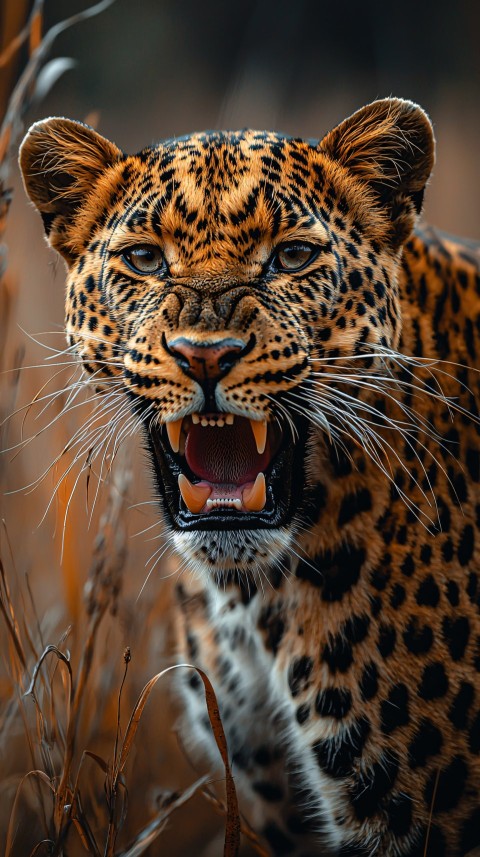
207 362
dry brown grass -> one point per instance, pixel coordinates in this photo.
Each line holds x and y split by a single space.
58 802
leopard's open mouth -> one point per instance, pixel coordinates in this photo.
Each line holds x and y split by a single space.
225 471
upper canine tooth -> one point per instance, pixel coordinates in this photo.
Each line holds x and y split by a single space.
194 496
173 430
254 498
259 428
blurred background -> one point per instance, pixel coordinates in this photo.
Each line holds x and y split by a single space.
145 70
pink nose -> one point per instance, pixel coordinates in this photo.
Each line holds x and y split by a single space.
209 362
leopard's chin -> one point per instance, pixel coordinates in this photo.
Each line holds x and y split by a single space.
221 553
223 472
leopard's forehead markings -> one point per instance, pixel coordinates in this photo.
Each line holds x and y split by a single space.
221 193
231 152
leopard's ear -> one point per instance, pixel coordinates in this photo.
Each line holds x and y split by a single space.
388 145
65 165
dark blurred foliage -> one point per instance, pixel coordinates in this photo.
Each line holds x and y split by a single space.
153 53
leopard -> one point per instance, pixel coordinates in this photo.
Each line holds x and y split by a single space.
299 351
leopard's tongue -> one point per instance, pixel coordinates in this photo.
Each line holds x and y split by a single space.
225 457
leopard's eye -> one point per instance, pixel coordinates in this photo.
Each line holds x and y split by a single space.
145 259
294 256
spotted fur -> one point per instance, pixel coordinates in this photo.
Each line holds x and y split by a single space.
344 643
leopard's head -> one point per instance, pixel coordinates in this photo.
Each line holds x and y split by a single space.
217 278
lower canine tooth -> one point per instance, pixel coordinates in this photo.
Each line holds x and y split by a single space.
254 498
173 430
259 428
194 496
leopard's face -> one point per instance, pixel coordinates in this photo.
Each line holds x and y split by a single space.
222 278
